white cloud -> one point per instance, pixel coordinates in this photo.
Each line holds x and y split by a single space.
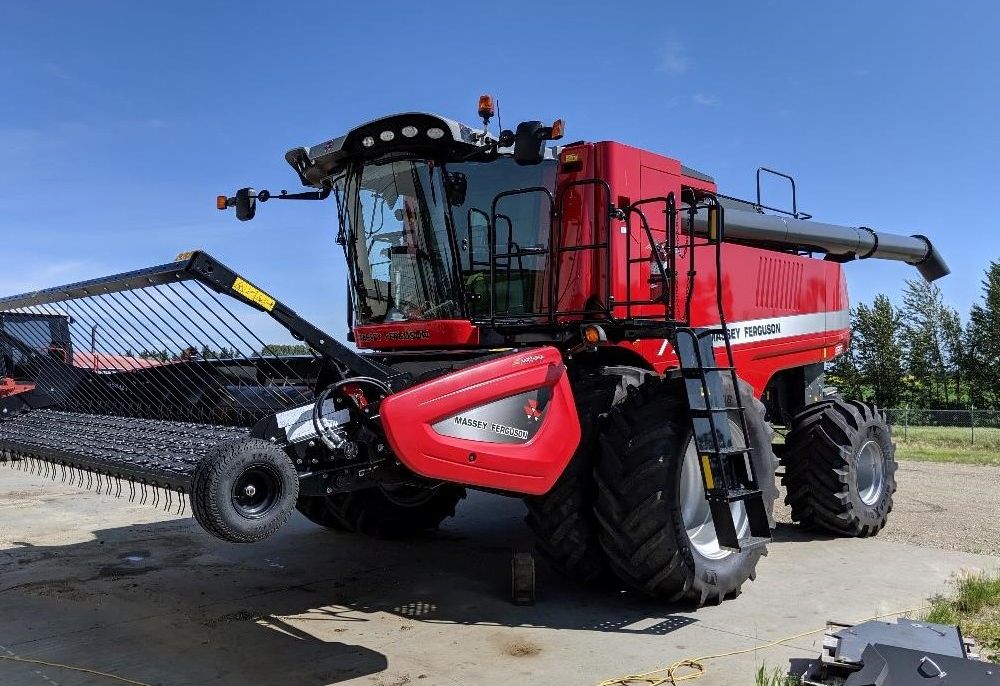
706 99
673 58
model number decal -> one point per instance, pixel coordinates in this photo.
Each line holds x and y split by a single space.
406 335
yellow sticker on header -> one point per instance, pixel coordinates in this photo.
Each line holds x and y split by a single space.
253 294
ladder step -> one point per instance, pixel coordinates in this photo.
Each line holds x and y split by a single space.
705 411
733 495
750 543
698 372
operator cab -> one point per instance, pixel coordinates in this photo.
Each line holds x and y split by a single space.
421 199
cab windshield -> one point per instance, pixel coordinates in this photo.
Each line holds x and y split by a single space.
417 236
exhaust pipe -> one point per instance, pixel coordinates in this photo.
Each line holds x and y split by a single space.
840 243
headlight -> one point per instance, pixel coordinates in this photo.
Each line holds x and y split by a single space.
387 136
368 141
435 133
409 131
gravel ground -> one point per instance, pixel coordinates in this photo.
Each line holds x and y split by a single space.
941 505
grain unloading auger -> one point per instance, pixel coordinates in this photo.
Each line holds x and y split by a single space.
593 328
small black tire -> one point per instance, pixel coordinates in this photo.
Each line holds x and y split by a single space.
383 512
244 490
562 519
840 468
640 478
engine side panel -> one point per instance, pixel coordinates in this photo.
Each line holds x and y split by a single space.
508 424
783 310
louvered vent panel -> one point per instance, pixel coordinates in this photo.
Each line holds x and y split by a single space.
779 283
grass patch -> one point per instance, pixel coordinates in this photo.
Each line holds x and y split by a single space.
772 676
947 444
975 608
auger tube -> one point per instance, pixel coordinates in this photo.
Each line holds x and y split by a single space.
840 242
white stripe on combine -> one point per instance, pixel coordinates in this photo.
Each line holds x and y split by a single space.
771 328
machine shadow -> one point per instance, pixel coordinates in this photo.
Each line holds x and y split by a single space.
786 532
300 598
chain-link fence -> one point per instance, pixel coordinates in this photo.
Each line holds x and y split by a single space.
979 428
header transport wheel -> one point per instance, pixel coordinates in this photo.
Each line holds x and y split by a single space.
656 526
244 490
840 468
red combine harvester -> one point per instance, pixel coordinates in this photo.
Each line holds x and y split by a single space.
592 327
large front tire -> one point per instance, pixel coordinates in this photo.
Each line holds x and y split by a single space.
840 468
563 519
650 507
384 512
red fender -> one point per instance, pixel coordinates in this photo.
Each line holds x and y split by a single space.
509 423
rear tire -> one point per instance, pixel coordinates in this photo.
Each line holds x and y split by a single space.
563 519
244 490
645 518
840 468
384 512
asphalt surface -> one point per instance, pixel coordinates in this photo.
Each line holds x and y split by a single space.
93 581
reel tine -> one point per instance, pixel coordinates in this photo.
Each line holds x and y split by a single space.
169 501
118 487
90 480
142 500
98 478
156 496
131 491
62 470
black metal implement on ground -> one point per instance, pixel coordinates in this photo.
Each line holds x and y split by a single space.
133 378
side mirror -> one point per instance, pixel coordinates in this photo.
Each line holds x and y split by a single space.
529 142
246 204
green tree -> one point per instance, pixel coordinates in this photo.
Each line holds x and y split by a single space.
923 338
983 343
872 367
285 349
879 351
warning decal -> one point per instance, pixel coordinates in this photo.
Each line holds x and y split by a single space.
253 294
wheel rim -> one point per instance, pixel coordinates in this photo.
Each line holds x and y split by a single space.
695 510
256 491
871 472
405 495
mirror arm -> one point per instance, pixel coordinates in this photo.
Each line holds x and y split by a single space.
264 195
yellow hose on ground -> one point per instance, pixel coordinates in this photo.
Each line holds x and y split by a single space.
43 663
674 673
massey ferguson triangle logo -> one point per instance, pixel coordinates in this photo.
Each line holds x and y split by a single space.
532 411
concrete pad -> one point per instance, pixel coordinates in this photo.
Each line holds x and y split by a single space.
93 581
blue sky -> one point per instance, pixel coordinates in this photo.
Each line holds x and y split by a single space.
121 121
